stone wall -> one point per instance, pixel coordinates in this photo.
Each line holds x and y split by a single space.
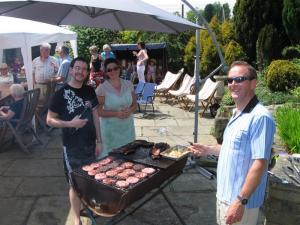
282 206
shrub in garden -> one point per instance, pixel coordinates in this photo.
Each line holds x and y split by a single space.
288 126
291 52
283 75
234 52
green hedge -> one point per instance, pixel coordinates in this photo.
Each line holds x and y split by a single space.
283 75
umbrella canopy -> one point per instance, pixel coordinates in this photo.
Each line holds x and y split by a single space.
114 15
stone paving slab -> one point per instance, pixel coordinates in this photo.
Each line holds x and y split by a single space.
35 167
43 186
14 211
50 211
4 164
9 186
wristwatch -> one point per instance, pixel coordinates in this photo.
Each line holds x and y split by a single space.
243 200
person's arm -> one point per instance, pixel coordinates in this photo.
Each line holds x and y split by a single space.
98 132
54 121
203 150
236 210
108 113
6 115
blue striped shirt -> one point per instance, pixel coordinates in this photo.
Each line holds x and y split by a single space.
248 136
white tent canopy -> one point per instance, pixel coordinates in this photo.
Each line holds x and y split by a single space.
20 33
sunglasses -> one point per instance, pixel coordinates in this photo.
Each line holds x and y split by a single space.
238 79
112 69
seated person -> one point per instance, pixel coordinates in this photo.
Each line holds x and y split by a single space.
14 110
5 76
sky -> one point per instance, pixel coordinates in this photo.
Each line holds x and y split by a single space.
175 5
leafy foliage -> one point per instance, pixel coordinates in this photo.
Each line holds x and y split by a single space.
283 75
209 12
227 99
266 96
291 22
267 39
227 32
288 126
250 16
291 52
234 52
87 37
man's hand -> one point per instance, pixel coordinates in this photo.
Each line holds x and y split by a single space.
235 212
76 122
200 150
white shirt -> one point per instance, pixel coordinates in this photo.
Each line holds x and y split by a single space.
44 70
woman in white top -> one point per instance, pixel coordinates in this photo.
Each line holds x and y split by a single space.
142 58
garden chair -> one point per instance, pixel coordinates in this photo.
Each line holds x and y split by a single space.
147 97
139 88
19 126
206 96
168 82
8 100
184 89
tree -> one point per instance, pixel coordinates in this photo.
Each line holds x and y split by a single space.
264 46
234 52
227 32
226 11
291 20
93 36
250 16
209 12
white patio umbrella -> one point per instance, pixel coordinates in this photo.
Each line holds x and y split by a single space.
114 15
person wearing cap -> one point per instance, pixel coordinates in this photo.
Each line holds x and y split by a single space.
44 70
107 53
5 76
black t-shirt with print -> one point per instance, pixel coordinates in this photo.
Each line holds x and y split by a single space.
69 102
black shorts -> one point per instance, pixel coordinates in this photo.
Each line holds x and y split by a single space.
72 161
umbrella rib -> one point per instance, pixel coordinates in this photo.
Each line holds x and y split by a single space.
19 7
64 16
118 20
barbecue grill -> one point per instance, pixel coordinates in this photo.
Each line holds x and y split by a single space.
109 200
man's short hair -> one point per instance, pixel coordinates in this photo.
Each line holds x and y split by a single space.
17 90
251 70
65 50
79 59
45 45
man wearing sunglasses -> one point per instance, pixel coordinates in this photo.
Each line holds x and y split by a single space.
244 153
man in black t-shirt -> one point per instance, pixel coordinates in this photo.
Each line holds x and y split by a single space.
74 109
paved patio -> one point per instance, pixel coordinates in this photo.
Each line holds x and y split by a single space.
33 189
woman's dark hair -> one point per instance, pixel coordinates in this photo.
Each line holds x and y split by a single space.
109 61
142 44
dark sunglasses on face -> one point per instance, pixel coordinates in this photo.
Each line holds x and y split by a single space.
112 69
238 79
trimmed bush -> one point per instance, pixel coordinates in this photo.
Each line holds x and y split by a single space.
283 75
288 125
234 52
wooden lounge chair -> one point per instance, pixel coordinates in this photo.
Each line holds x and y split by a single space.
24 124
168 82
206 96
184 89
